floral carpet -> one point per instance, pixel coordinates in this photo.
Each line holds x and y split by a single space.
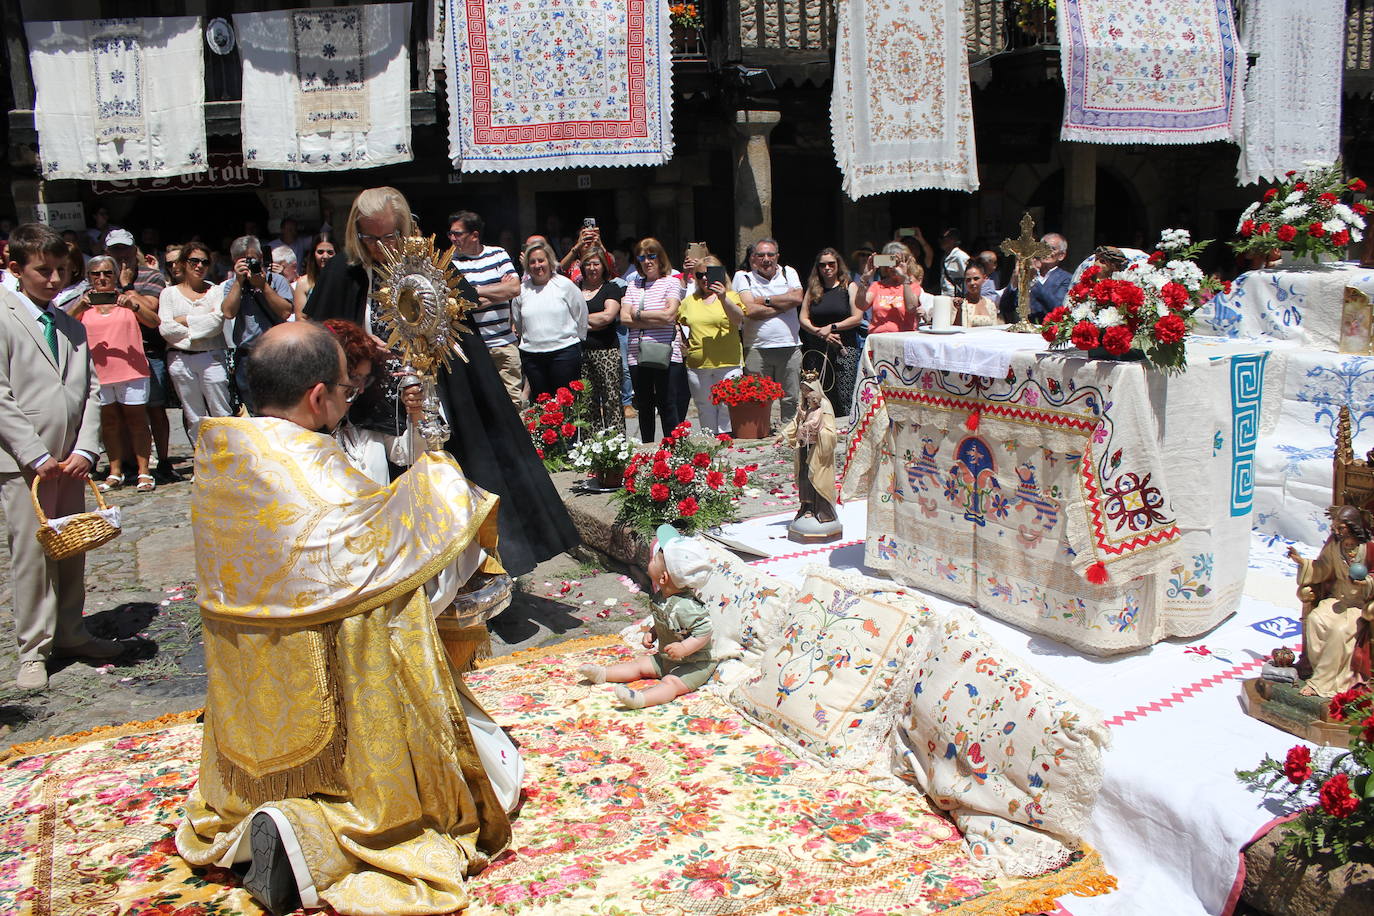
683 808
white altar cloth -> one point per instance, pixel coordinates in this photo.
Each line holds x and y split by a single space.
1016 494
1298 304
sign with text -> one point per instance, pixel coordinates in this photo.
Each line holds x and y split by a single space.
303 206
225 170
61 216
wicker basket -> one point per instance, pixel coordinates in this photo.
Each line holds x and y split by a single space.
84 531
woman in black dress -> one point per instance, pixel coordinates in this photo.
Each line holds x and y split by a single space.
601 350
830 315
489 442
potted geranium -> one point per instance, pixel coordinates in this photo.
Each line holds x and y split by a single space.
1342 821
605 456
1305 215
554 421
750 398
685 480
1143 308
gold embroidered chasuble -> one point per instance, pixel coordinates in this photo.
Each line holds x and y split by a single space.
330 697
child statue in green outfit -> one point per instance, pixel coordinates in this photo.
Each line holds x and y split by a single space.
678 567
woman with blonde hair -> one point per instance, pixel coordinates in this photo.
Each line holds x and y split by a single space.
894 296
649 310
489 440
712 315
549 317
830 316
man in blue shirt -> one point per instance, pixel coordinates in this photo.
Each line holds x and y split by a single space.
1048 286
256 297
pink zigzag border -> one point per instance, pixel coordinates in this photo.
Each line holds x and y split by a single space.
805 553
1182 694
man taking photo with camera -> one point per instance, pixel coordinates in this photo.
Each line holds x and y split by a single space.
256 298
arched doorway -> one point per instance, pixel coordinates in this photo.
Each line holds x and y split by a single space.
1119 218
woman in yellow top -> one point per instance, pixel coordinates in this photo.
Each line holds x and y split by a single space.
712 315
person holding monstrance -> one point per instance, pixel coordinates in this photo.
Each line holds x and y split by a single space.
1337 593
489 441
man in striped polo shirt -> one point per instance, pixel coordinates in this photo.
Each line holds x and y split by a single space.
492 274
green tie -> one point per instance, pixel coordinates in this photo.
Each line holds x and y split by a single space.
49 331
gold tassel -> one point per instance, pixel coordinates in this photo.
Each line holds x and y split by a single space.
465 645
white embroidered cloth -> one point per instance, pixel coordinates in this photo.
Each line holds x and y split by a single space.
1293 93
571 84
900 111
985 353
1164 71
119 98
326 89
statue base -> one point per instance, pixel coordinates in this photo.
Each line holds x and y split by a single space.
1284 707
806 530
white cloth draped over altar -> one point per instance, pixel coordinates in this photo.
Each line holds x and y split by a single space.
1011 493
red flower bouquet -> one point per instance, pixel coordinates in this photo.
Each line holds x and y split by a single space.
1146 306
745 389
1305 214
685 480
554 421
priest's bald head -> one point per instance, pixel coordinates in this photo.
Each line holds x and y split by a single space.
297 371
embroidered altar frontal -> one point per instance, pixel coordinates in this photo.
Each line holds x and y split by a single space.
1098 502
564 84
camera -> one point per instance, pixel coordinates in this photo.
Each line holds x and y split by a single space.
254 265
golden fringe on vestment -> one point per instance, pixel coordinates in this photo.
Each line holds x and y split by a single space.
323 772
466 646
567 647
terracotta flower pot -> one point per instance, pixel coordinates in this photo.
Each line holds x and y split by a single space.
750 419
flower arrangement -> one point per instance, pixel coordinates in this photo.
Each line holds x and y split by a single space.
609 450
1304 214
1343 818
685 15
745 389
685 481
1146 305
554 421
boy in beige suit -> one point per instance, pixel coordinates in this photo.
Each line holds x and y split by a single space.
49 428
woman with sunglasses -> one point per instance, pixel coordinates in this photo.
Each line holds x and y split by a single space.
830 316
712 314
112 319
649 310
319 256
193 326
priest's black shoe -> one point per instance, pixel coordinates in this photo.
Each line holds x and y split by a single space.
270 879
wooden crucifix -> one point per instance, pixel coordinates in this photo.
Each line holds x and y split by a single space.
1025 248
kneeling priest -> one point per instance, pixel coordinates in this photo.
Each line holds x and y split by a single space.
338 758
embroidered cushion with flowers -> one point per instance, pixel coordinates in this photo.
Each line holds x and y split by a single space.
831 687
986 733
747 607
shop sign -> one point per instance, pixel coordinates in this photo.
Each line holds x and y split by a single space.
226 170
61 216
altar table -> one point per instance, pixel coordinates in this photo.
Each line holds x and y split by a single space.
1102 503
1301 304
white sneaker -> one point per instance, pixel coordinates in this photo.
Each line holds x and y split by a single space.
33 675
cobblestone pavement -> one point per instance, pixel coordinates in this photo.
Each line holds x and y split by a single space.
138 587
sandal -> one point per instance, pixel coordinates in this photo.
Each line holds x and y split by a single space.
113 482
146 483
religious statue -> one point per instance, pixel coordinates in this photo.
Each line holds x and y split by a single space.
1027 249
812 433
1337 598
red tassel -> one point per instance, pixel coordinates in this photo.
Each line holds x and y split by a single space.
971 424
1097 573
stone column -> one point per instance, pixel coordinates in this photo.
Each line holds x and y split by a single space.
1080 201
753 178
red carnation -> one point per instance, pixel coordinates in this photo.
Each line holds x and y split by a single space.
1050 333
577 385
1360 209
1175 295
1300 186
1263 229
741 477
1298 766
661 455
531 425
1117 339
701 459
1316 230
1290 173
1170 329
1057 314
1102 291
553 418
629 484
687 507
658 493
661 469
1090 273
1159 256
1357 185
1328 198
569 430
1079 291
539 452
726 438
1368 724
565 397
1084 335
1287 233
1337 799
1335 711
1271 194
550 436
686 473
1340 239
542 397
682 428
1128 295
715 479
1247 229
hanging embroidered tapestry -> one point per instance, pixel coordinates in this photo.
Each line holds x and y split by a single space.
900 112
571 84
118 98
1293 92
1161 71
326 89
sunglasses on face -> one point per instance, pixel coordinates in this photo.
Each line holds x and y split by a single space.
198 262
102 273
828 264
648 256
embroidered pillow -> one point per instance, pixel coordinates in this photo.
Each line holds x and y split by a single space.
832 685
747 606
986 732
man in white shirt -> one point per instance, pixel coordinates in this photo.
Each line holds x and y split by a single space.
772 343
490 271
955 263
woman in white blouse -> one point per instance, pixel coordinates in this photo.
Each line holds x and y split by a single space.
193 326
550 319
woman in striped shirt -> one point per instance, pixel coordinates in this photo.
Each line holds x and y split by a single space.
649 310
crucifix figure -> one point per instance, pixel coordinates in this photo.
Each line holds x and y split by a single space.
1026 248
